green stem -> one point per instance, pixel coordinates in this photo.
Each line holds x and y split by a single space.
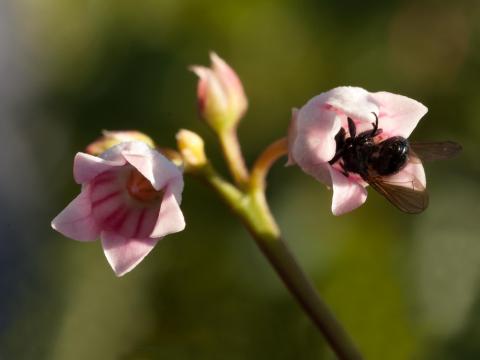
233 156
264 230
252 208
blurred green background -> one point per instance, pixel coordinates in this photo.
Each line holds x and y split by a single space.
405 287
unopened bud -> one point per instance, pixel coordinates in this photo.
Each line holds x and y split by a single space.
221 99
191 147
112 138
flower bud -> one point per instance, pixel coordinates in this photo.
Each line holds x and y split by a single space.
191 147
112 138
221 99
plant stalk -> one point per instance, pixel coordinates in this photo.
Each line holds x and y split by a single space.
233 156
252 208
263 229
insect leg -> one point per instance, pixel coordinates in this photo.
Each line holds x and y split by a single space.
340 146
337 156
344 172
375 125
352 129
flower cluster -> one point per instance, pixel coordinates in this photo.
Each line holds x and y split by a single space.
131 193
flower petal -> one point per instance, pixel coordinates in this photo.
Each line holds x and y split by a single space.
86 167
176 187
122 253
399 115
347 194
320 171
76 220
315 135
170 219
150 163
350 101
292 135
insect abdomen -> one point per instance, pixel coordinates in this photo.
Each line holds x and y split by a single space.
390 156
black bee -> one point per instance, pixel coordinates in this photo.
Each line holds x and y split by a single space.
376 161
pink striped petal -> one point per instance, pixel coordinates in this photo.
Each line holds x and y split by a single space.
122 253
76 220
128 227
86 167
170 219
146 222
150 163
347 194
132 221
399 115
104 186
107 207
116 218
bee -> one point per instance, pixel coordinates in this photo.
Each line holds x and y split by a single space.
375 161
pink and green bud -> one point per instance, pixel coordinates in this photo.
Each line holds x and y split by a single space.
221 99
112 138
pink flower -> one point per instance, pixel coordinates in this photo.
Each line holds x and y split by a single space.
221 99
130 198
314 127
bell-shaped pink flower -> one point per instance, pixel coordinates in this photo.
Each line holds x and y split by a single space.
221 99
312 132
130 198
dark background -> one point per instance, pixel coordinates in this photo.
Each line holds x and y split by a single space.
405 287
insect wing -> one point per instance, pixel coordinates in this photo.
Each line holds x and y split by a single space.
441 150
410 197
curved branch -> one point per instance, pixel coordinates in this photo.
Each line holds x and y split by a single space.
265 161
